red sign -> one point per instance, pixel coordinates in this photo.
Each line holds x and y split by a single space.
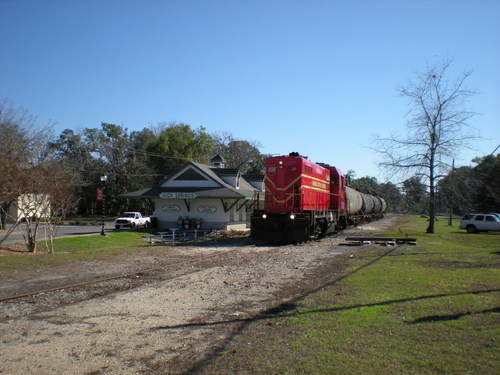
100 194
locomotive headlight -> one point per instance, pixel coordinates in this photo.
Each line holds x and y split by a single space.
292 217
264 216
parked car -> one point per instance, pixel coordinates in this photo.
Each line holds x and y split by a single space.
132 220
474 223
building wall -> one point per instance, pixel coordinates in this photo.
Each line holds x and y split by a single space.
29 205
209 211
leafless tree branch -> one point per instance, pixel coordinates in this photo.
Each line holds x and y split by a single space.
436 129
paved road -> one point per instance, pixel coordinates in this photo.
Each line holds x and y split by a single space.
62 231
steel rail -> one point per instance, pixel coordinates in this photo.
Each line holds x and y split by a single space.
121 276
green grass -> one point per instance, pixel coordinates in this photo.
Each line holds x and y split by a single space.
76 248
426 309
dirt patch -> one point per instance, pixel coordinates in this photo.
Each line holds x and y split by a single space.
13 249
161 322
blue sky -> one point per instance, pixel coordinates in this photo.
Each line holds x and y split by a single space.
317 77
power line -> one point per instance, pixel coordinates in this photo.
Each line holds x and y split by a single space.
495 150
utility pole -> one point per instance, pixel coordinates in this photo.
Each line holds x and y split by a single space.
452 181
102 198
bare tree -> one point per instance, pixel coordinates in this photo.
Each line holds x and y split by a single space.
30 179
240 154
437 128
58 184
20 142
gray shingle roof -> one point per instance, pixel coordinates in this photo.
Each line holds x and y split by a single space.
224 191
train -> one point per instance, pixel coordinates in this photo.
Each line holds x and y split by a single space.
305 200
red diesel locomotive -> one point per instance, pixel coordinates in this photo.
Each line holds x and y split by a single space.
304 200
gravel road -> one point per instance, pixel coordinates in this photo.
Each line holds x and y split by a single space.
165 321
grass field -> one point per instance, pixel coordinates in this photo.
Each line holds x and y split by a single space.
426 309
76 248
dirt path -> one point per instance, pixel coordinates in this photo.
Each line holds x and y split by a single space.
166 324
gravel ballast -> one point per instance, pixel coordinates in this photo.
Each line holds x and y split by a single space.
165 321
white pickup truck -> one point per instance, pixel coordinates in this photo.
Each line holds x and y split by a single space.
474 223
132 220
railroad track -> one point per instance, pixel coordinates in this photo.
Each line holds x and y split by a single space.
100 286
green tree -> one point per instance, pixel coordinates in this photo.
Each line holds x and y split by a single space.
392 196
109 150
390 192
457 191
177 144
415 195
472 189
487 173
368 185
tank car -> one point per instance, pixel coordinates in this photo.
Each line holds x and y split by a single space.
305 200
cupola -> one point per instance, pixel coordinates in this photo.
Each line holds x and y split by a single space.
218 161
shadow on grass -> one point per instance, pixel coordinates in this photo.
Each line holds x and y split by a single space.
443 318
285 310
276 311
289 309
463 232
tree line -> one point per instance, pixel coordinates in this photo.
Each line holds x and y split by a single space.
68 167
36 165
465 189
140 159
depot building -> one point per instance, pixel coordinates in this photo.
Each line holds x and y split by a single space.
204 196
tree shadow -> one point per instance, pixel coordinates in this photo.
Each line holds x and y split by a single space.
286 310
276 311
442 318
289 309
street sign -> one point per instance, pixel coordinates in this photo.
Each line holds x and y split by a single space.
99 194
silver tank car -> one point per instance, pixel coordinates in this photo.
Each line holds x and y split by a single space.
368 203
363 203
384 205
354 201
380 205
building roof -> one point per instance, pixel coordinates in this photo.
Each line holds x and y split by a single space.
253 177
192 175
217 158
